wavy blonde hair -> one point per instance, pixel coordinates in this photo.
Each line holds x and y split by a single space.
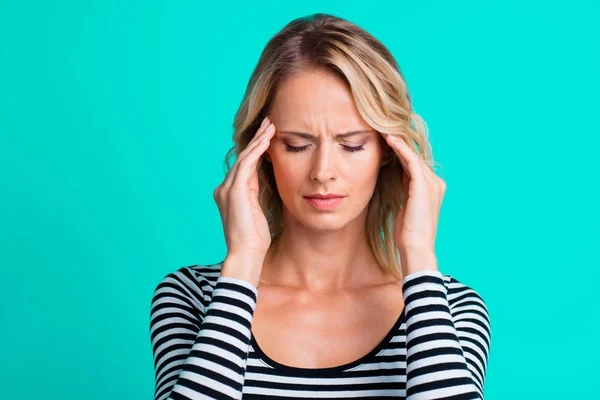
327 42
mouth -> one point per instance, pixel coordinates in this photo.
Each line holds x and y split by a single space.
324 203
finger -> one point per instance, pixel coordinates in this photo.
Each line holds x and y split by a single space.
266 122
240 163
256 141
409 159
416 158
264 128
247 165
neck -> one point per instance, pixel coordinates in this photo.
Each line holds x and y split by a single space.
323 261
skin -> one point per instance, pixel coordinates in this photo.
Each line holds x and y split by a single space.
322 251
320 283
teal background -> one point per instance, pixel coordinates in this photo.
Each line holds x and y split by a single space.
115 118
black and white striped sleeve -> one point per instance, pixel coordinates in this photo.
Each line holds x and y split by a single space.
447 338
200 352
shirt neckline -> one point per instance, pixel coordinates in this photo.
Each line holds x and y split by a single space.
313 372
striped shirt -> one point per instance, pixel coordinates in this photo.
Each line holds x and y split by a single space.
203 346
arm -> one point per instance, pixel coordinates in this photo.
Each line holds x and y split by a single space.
200 353
447 344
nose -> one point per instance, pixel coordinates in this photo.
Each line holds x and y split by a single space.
323 169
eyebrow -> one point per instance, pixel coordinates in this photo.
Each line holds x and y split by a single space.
339 135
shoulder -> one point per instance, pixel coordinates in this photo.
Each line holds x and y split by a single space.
468 308
461 294
464 301
191 284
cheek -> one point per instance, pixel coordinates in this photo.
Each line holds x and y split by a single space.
363 168
362 177
287 173
364 181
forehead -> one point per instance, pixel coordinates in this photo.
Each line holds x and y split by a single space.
314 99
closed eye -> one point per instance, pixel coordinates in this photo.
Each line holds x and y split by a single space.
349 149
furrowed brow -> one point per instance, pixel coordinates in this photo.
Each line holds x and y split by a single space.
339 135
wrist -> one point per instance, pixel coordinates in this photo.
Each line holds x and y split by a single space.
415 260
246 267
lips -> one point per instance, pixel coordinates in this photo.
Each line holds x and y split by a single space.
324 203
326 196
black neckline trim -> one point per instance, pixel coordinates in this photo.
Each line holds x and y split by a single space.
317 372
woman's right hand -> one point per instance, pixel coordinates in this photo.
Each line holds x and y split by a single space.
244 224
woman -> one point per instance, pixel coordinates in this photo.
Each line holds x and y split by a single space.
336 297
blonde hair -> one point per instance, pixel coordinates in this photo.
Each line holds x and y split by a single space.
327 42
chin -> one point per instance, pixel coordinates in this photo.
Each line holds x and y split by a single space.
322 221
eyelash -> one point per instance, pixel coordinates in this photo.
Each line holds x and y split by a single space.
347 148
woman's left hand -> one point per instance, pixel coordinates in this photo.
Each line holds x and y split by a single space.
416 223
